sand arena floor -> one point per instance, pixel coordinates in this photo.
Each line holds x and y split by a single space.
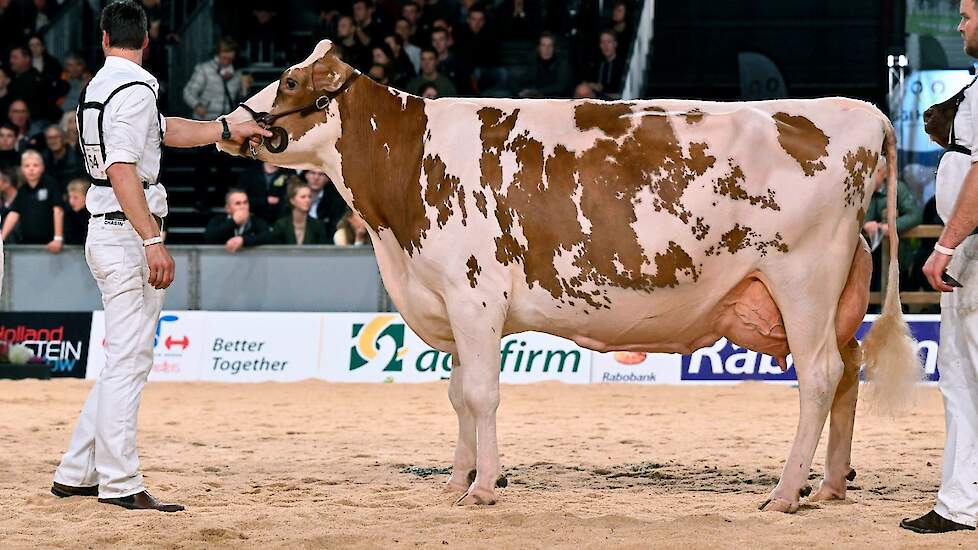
317 465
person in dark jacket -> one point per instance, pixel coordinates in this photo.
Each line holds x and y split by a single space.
298 227
909 215
265 185
76 215
549 75
237 228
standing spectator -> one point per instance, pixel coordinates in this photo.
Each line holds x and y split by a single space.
39 15
62 163
8 192
69 125
298 227
38 208
608 74
9 157
353 51
76 76
477 52
401 65
370 30
549 76
620 22
327 204
415 32
430 75
265 185
29 84
28 130
264 35
41 60
447 63
351 231
236 228
6 97
403 29
519 19
76 215
216 87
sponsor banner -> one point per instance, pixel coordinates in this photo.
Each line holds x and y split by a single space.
926 330
381 348
933 17
634 367
178 345
260 347
61 339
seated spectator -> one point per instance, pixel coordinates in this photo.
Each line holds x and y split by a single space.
6 97
607 76
351 231
298 227
76 215
413 32
402 68
28 130
430 75
44 62
549 76
69 125
447 63
909 215
9 157
403 29
264 35
8 192
76 77
379 74
429 91
620 22
519 19
370 29
29 84
38 209
237 228
265 185
354 52
62 163
327 204
216 87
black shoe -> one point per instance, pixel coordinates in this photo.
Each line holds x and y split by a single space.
64 491
142 501
932 522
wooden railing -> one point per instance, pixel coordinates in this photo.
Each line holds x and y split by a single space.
914 297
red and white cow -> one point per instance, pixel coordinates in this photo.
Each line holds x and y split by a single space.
653 226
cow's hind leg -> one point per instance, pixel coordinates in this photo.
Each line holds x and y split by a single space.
809 320
842 420
463 467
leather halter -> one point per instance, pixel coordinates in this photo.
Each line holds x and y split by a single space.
280 138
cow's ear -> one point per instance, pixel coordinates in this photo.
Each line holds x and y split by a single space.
330 76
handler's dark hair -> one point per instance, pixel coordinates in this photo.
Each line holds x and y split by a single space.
125 22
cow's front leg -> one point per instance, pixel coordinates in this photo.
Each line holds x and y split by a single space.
841 422
463 467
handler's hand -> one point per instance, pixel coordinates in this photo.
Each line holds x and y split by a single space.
161 267
935 267
247 130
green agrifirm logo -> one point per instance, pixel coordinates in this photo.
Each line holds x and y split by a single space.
368 343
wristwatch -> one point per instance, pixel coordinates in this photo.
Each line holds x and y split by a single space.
226 134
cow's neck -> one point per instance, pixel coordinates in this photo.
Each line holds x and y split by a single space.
380 147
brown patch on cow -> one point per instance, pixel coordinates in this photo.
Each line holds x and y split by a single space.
700 229
394 151
861 217
732 186
859 165
474 270
694 116
650 159
480 203
803 141
494 132
743 237
610 118
442 188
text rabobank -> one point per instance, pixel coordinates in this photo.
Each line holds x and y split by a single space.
726 361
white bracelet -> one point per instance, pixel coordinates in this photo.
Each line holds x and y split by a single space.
154 240
59 238
944 250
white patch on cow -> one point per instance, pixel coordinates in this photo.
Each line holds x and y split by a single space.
321 49
388 149
576 197
373 122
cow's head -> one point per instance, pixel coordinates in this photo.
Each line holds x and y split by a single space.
300 110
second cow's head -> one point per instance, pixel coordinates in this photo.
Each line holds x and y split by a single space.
300 109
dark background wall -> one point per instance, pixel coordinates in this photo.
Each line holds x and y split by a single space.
822 47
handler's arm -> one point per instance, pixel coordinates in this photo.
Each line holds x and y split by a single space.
964 219
182 132
129 191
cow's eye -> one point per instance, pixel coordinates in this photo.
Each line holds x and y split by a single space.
291 83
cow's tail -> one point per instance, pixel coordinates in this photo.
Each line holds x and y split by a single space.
893 369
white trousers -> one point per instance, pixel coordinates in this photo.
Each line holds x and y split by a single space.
957 499
102 450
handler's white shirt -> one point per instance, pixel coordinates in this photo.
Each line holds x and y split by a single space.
954 166
131 129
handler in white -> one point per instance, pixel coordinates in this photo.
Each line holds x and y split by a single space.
121 132
957 253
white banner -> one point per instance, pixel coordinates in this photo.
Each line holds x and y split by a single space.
178 345
260 347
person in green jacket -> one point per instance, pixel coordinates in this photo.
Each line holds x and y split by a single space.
909 215
297 227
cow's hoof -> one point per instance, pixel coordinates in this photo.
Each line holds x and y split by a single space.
779 505
827 492
477 496
458 485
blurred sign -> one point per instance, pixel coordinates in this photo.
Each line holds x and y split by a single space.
933 17
60 339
